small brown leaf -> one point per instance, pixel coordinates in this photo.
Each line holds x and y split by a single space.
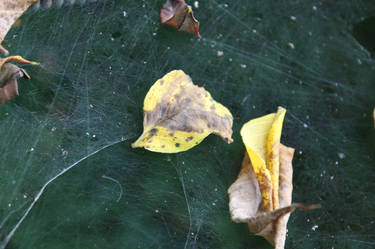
9 74
179 15
10 11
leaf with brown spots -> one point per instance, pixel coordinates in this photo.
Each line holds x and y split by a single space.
10 11
9 74
252 195
179 15
178 115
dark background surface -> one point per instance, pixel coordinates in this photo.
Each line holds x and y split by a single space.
83 108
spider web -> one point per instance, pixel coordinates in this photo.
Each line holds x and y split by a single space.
69 178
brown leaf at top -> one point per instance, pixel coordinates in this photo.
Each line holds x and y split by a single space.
246 204
9 74
10 11
179 15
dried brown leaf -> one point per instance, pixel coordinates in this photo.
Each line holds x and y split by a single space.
179 15
9 74
10 11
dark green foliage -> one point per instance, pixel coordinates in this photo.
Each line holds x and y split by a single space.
83 108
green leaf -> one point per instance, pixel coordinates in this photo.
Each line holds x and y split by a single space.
68 175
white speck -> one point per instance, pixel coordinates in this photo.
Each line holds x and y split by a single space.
64 152
291 45
9 204
53 129
24 196
314 7
213 204
359 61
196 4
226 5
220 53
94 136
124 13
230 59
337 163
156 211
145 62
154 33
300 152
215 189
254 30
87 134
91 106
341 155
310 33
32 149
192 234
253 107
308 220
305 125
112 39
243 65
293 18
331 178
315 227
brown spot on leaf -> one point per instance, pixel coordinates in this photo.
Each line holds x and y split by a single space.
189 139
171 134
177 145
161 82
152 133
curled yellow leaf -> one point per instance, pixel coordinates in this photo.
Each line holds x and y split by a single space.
262 194
178 115
261 137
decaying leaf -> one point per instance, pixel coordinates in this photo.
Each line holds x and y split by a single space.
10 11
179 15
178 115
262 194
9 74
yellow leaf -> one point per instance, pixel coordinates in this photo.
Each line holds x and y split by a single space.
272 153
245 200
256 134
178 115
